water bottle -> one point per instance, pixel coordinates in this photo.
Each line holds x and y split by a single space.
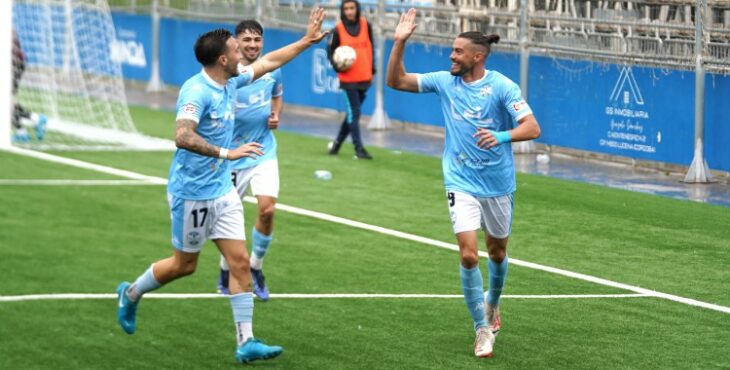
323 175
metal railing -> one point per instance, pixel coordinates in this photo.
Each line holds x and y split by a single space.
647 32
683 34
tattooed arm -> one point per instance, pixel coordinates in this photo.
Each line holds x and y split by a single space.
187 138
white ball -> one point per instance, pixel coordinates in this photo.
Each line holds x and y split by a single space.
543 158
344 56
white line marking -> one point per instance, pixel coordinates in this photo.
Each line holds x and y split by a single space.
382 230
85 165
81 296
535 266
68 182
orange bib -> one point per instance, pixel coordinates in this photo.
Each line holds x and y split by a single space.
362 69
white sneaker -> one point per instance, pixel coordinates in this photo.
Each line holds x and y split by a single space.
493 319
484 342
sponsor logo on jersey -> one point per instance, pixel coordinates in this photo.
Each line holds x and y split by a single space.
485 91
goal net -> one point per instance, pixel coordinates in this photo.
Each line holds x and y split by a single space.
68 93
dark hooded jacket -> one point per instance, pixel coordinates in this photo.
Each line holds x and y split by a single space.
353 28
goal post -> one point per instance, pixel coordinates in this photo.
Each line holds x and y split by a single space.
71 94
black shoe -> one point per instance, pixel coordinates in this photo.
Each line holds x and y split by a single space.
333 147
362 154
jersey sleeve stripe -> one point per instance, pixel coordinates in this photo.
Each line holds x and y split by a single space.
191 117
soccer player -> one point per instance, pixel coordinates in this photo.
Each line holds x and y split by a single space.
355 31
480 109
22 117
258 108
203 203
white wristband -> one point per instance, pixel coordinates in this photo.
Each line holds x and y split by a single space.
223 153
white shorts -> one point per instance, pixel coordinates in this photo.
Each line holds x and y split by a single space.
195 221
469 213
263 178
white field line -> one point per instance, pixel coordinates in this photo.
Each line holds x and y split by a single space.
82 296
391 232
85 165
67 182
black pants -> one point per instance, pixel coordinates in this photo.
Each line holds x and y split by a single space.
351 124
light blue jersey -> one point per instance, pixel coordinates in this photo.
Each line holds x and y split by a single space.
493 102
211 105
253 108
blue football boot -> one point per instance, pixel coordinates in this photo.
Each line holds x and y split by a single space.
259 285
254 349
127 310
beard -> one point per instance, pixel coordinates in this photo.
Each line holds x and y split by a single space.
461 70
232 70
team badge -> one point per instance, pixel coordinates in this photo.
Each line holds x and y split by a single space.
194 238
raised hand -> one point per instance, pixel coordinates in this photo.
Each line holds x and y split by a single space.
406 25
314 26
251 150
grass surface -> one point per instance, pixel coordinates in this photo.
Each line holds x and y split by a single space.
57 239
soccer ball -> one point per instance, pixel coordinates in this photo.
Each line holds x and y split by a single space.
344 57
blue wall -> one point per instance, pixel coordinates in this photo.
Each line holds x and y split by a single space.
134 36
635 112
632 111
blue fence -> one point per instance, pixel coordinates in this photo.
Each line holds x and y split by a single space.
631 111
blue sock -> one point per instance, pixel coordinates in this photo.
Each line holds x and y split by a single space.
497 275
144 283
260 243
473 286
242 305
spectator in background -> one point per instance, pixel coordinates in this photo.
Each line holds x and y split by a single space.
355 31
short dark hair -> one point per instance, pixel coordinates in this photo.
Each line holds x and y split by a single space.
211 45
249 25
480 39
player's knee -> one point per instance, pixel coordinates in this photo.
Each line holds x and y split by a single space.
469 259
238 263
497 255
266 213
185 268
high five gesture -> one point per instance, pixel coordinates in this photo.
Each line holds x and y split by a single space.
397 77
406 25
314 26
